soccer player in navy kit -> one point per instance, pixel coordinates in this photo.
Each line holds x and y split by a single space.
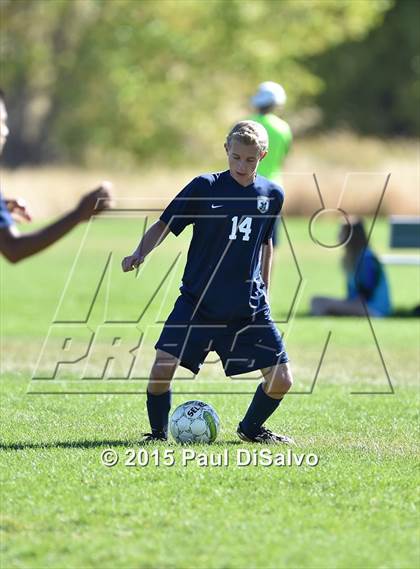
223 304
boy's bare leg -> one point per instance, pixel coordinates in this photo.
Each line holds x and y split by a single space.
159 395
278 380
162 373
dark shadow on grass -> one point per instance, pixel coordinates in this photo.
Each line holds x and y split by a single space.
69 444
235 442
106 444
406 312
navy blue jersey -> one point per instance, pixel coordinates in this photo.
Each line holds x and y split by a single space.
222 276
5 217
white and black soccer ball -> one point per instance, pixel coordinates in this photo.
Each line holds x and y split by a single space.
194 422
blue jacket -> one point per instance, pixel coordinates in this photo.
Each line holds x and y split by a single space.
369 282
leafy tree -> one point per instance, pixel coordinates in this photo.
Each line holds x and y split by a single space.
373 84
156 80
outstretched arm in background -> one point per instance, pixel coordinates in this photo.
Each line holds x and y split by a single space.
16 247
151 239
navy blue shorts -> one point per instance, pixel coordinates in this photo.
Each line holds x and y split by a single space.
242 346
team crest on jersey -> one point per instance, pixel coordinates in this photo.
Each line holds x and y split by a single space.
263 204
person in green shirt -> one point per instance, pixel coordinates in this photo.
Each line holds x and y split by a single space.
268 97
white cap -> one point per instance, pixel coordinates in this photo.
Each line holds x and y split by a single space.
269 93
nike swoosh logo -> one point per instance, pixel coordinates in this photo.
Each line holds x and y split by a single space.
215 206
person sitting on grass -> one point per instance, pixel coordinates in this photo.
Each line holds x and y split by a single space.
16 247
367 286
223 304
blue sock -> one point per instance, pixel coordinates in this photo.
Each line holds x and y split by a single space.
261 408
158 407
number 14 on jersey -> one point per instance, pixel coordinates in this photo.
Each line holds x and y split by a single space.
244 227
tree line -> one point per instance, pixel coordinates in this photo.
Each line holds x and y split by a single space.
160 80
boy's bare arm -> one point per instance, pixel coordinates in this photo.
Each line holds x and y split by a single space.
151 239
16 247
266 260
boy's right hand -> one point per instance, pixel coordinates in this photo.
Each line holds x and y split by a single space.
131 262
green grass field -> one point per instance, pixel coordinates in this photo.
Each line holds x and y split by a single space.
62 508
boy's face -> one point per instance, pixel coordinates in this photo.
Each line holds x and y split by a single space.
243 161
4 130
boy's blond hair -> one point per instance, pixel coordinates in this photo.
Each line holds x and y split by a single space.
249 133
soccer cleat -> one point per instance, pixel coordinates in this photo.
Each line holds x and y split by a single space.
265 436
149 438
